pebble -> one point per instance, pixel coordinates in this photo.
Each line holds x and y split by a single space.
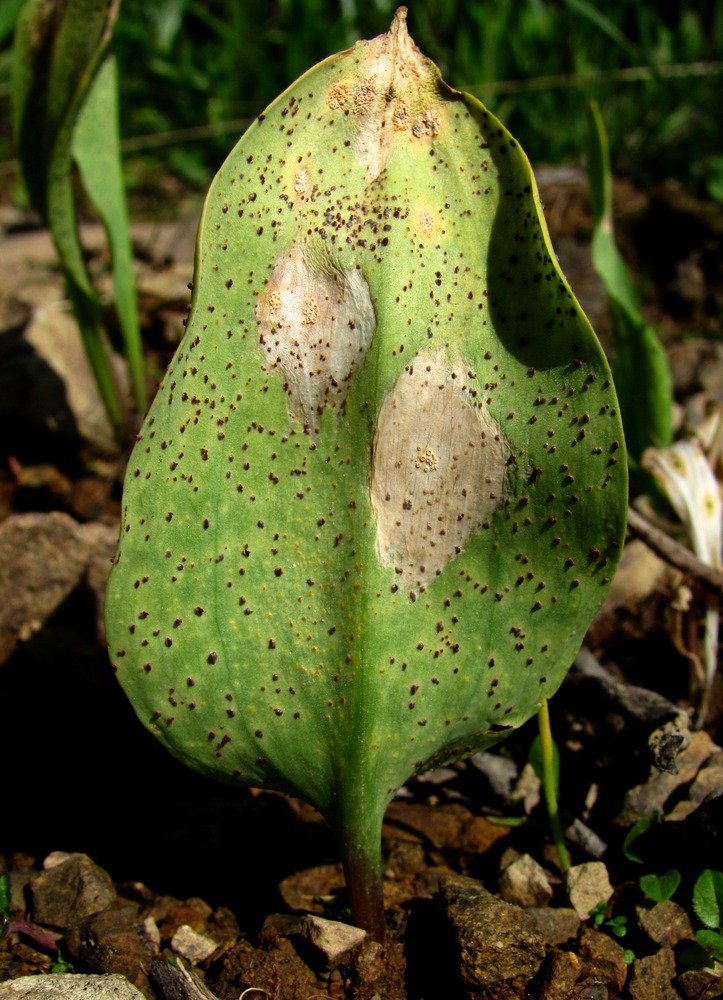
603 961
331 939
70 889
665 923
65 986
652 977
556 924
559 974
496 940
192 945
525 883
587 884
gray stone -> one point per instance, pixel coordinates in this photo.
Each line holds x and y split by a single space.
557 924
70 987
496 941
42 559
525 883
68 891
587 884
192 945
332 939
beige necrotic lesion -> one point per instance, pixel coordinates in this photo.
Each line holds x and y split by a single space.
315 326
438 470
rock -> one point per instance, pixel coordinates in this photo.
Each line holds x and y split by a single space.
556 924
708 781
497 942
305 890
655 792
603 961
665 923
173 981
42 559
69 890
587 884
70 987
559 974
331 939
652 977
53 334
696 983
192 945
113 941
524 883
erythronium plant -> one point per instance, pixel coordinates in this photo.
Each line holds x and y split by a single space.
382 489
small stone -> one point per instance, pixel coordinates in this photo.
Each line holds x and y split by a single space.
556 924
65 986
192 945
696 983
113 941
587 884
603 960
665 923
332 939
70 890
524 883
652 977
496 941
558 975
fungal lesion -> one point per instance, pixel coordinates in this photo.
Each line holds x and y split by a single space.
438 472
315 324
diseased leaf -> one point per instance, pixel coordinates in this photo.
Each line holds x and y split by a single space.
382 489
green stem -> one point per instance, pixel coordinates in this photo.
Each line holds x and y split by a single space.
358 829
549 785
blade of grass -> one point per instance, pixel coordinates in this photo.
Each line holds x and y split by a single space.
642 371
96 148
56 54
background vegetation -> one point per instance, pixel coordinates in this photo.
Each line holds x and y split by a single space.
194 73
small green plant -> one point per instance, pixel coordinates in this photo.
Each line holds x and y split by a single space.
635 838
708 906
65 115
660 888
642 371
383 487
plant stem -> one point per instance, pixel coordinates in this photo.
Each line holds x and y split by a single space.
549 785
358 831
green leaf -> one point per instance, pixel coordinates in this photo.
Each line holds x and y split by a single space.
382 490
96 149
712 942
708 898
642 370
660 887
56 54
535 759
631 848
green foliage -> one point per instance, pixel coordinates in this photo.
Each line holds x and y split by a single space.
708 898
65 112
642 371
617 926
383 488
634 843
659 888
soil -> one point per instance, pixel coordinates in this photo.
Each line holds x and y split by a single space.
243 869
